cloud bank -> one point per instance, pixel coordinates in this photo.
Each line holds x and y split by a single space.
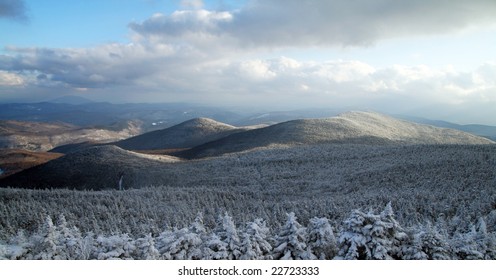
275 23
220 58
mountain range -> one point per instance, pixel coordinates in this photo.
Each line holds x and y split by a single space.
352 127
102 166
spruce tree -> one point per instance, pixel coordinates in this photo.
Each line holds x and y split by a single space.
321 240
367 236
254 243
290 241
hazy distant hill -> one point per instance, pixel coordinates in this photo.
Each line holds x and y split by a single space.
351 127
95 168
487 131
184 135
40 136
78 112
71 99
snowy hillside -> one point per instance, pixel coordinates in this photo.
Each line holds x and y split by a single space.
184 135
353 127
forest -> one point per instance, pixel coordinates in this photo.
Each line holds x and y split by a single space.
318 201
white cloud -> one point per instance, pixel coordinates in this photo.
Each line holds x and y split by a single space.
221 57
10 79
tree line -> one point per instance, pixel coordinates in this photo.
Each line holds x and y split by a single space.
362 235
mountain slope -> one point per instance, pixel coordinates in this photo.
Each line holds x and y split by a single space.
40 136
486 131
13 160
351 127
184 135
95 168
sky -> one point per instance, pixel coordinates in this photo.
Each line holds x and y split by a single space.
429 58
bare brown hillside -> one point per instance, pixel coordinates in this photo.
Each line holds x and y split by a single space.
40 136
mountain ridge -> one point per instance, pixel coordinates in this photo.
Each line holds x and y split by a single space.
351 127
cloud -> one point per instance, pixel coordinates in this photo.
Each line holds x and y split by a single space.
13 9
195 4
10 79
219 57
290 23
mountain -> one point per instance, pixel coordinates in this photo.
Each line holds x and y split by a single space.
351 127
486 131
103 166
13 160
184 135
71 99
41 136
154 116
95 168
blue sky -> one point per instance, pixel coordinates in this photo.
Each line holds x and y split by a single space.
430 58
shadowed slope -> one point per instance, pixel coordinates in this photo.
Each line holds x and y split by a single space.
95 168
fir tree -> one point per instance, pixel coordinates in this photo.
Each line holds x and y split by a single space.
321 240
370 236
45 242
182 244
290 241
254 244
427 243
225 237
145 248
115 247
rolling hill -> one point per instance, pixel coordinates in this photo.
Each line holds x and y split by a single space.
188 134
101 167
98 167
13 160
351 127
41 136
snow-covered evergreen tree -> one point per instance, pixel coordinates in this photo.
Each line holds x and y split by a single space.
145 248
254 243
45 242
426 243
19 247
321 240
370 236
215 248
87 247
290 241
485 240
198 226
115 247
69 240
225 237
180 244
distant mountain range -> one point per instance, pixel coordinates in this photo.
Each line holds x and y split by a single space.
102 166
86 113
477 129
352 127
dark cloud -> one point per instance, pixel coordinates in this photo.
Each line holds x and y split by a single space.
13 9
276 23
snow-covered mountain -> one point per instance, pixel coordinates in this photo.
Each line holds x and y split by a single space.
352 127
188 134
